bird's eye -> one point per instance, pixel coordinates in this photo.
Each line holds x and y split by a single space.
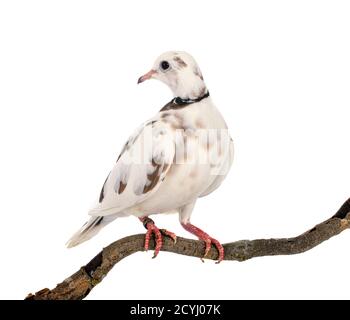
164 65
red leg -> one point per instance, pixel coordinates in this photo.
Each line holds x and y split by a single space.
207 239
151 228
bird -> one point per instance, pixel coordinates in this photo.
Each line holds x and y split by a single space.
179 155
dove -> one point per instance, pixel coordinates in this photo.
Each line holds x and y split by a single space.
181 154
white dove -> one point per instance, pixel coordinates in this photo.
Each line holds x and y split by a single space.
181 154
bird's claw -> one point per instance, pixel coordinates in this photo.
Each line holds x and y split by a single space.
206 238
208 242
153 229
169 234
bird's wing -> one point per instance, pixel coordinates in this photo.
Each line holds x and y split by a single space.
139 171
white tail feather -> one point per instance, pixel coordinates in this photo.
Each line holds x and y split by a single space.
89 230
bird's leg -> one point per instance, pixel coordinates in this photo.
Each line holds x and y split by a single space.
206 238
149 224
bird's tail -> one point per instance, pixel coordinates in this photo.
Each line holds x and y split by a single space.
89 230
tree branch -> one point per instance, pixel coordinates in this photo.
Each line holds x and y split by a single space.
79 285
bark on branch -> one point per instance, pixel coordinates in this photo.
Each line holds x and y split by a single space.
79 285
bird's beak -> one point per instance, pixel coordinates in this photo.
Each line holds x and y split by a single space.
146 76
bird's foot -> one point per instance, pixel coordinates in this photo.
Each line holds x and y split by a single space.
152 229
207 239
208 242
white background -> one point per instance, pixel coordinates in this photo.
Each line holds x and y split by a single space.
278 70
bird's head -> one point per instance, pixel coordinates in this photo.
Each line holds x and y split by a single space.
180 72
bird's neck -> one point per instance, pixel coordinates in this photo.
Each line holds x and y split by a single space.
189 88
